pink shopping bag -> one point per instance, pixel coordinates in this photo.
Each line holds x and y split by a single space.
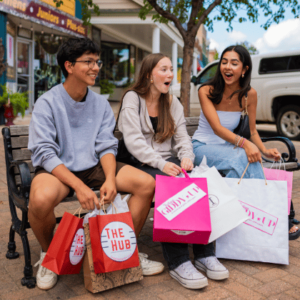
181 213
275 174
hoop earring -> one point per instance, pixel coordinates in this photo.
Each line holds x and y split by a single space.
243 75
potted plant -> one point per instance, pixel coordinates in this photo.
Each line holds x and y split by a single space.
13 104
107 88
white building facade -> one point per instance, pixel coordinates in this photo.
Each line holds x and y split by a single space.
126 40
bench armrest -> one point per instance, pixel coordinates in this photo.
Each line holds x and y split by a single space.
291 148
20 195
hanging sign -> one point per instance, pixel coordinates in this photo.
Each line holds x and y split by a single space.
46 14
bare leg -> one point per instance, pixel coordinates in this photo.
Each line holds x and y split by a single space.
46 193
141 186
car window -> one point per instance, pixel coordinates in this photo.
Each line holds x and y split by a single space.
207 74
279 64
294 63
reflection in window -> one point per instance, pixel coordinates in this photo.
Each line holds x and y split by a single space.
47 73
115 57
274 65
208 74
295 63
132 63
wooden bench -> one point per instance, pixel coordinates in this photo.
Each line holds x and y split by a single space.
20 172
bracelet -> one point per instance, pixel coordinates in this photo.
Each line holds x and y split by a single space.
243 143
235 141
237 144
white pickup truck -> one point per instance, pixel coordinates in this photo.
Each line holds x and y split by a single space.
276 78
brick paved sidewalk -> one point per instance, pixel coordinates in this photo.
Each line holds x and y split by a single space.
247 280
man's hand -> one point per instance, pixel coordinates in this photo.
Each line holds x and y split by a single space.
108 191
87 198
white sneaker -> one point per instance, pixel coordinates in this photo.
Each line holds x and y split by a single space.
150 267
188 276
45 279
213 268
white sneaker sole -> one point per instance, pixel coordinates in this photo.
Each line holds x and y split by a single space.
153 271
46 286
214 275
193 284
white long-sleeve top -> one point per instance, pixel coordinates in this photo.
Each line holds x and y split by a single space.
138 133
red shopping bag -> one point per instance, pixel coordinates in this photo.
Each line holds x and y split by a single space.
113 242
65 253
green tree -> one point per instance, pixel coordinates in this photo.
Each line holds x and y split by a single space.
251 48
216 56
193 13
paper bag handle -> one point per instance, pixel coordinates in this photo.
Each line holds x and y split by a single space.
185 173
113 205
246 170
79 210
103 208
101 202
280 162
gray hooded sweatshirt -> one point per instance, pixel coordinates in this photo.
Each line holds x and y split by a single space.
76 134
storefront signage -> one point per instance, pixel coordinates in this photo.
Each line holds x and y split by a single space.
10 50
68 6
35 10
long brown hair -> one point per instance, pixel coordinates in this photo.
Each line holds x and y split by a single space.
166 124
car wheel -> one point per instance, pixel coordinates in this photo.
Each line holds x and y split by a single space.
288 122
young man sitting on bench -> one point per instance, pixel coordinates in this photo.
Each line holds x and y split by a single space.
73 149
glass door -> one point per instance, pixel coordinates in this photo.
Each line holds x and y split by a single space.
24 67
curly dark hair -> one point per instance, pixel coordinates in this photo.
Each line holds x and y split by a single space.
218 83
73 48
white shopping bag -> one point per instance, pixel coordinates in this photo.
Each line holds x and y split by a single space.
264 237
226 211
119 203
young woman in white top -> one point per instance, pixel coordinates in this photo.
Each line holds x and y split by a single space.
222 101
154 131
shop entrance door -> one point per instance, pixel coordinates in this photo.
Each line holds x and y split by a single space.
24 68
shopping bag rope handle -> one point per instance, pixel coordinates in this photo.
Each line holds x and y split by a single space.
103 208
246 170
79 210
101 202
113 205
280 162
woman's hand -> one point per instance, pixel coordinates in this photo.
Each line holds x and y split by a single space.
187 164
272 153
171 169
252 152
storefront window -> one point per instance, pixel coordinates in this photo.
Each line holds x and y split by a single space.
23 67
115 57
10 50
141 54
47 73
132 63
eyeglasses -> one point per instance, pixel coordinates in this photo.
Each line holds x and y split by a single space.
91 63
